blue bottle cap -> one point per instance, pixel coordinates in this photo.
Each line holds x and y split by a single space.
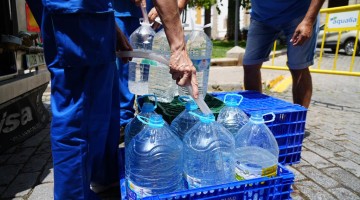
156 121
207 118
232 102
257 118
147 107
191 105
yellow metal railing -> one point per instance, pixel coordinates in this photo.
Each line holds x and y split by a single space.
352 9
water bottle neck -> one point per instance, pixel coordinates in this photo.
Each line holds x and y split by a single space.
147 107
190 106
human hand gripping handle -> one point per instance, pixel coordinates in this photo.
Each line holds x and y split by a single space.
183 71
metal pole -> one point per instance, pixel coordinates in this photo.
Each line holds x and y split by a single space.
236 22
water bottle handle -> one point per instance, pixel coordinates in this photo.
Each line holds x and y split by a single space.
203 117
272 119
146 95
237 95
184 99
146 121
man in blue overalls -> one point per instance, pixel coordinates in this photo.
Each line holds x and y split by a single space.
79 46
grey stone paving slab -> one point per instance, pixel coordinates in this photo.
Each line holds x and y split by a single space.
42 192
22 156
44 148
315 160
47 175
313 191
351 156
350 146
322 151
302 162
21 185
298 175
352 135
330 145
2 189
318 177
347 164
34 140
8 173
296 197
345 178
36 163
10 150
344 194
4 158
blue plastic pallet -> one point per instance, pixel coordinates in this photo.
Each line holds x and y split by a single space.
275 188
288 127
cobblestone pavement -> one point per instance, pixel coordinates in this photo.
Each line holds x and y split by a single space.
329 168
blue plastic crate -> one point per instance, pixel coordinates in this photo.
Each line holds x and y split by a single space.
288 126
275 188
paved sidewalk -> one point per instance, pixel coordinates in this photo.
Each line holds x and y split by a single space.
330 165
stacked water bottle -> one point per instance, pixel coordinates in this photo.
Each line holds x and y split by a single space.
148 76
195 150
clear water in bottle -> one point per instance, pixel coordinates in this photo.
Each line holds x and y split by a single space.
141 39
231 116
185 121
135 125
208 150
153 160
257 151
160 81
199 48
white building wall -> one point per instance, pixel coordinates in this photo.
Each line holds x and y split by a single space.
218 21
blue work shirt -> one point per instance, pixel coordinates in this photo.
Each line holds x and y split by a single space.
126 8
277 12
72 37
78 6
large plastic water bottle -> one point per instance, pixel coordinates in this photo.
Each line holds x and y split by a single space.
135 125
208 154
185 121
231 116
160 81
199 48
256 151
153 160
140 39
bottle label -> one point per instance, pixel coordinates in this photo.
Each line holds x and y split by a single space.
201 64
135 192
242 173
192 182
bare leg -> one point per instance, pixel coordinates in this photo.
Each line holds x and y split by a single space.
252 77
302 87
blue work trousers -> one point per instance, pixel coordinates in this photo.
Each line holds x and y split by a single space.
85 109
